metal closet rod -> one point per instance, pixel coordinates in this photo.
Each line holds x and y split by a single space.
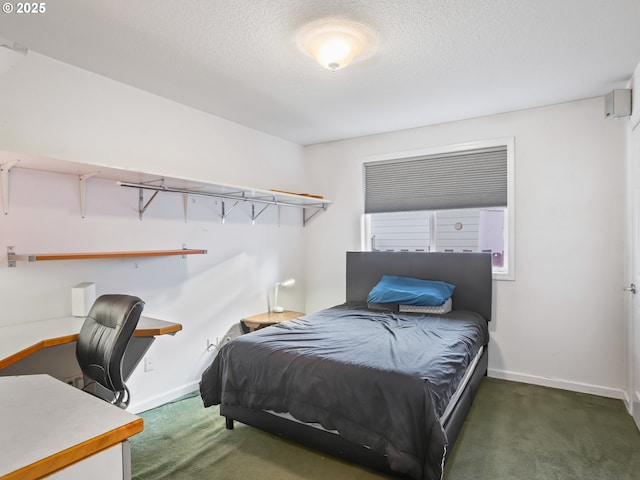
242 197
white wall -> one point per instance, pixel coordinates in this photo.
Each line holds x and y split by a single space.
51 109
561 321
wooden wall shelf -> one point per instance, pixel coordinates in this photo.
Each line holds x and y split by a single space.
40 257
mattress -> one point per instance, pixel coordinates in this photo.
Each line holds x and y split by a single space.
463 384
443 418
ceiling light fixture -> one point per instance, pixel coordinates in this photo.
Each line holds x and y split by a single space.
335 42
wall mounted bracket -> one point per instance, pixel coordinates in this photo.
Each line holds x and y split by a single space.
83 191
306 218
5 168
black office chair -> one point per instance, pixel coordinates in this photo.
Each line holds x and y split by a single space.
102 342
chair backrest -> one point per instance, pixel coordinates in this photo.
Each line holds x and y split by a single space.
103 340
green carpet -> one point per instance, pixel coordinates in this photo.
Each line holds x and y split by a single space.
514 431
183 440
521 431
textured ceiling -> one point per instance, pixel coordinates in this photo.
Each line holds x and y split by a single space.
436 60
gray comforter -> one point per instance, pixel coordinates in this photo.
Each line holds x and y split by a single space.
380 379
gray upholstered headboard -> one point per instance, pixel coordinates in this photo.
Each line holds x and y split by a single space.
469 272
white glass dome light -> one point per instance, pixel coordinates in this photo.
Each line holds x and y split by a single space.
334 43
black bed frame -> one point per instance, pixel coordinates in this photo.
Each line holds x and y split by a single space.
470 272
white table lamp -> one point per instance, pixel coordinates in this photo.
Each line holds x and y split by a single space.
287 283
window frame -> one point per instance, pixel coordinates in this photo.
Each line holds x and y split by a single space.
509 272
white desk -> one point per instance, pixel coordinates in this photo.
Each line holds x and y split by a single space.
47 426
20 341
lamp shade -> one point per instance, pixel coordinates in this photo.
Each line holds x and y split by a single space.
334 50
335 42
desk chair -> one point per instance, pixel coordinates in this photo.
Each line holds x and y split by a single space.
102 343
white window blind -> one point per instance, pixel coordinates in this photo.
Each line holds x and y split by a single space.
467 179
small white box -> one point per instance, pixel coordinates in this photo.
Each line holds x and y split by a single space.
82 297
617 104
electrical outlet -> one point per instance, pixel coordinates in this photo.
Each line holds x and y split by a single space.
214 343
148 364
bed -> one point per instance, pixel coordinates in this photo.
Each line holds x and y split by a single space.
386 389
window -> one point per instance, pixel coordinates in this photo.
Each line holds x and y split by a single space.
455 200
460 230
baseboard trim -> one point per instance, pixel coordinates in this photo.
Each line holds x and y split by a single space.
601 391
627 401
166 397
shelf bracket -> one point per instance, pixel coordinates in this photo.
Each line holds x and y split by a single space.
255 215
11 253
225 212
142 207
83 191
4 179
13 258
185 201
307 218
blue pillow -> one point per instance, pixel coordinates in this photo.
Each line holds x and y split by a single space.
410 291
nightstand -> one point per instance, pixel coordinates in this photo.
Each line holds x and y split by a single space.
256 322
